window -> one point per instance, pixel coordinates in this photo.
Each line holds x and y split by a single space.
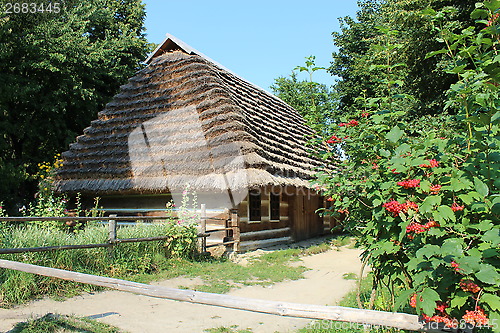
254 205
274 206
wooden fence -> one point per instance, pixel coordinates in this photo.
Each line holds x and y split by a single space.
230 219
337 313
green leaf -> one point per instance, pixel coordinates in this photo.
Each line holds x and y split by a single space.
427 251
394 134
488 274
433 53
429 203
490 253
425 185
469 265
480 187
458 184
384 153
493 301
452 246
495 117
429 299
446 213
403 299
492 236
459 301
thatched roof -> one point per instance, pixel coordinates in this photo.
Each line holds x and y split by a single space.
186 119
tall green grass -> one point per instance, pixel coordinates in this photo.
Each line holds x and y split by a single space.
123 260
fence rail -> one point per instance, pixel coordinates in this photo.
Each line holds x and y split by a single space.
366 317
231 231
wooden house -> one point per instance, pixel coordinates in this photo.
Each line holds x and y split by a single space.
184 119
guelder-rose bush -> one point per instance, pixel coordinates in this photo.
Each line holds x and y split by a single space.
426 205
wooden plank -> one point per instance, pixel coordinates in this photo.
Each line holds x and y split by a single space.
264 234
88 246
235 224
369 317
251 245
83 219
203 228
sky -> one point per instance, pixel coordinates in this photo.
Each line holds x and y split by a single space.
258 40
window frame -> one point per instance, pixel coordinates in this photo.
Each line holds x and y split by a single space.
277 209
257 197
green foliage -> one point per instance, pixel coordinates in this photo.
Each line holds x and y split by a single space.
51 323
57 71
424 206
314 101
183 230
362 44
133 258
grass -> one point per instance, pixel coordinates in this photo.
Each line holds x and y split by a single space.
221 275
51 323
128 259
140 262
230 329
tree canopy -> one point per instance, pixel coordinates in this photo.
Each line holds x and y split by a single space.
57 70
361 46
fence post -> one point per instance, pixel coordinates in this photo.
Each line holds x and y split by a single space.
111 236
203 228
235 225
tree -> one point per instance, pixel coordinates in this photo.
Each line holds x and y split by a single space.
57 70
314 101
423 77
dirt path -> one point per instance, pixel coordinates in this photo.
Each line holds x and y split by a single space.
323 284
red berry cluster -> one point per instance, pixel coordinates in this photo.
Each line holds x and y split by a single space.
434 189
476 317
493 19
419 228
394 171
443 317
432 164
395 207
468 285
413 300
334 139
365 114
455 207
410 183
350 123
455 266
446 319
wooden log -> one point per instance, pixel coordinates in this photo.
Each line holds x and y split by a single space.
265 234
53 248
111 237
235 224
368 317
88 246
263 243
112 230
83 219
203 228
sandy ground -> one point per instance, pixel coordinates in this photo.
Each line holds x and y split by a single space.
323 284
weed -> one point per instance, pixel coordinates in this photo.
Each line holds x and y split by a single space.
51 323
350 276
230 329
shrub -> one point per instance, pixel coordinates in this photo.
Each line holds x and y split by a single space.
426 204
